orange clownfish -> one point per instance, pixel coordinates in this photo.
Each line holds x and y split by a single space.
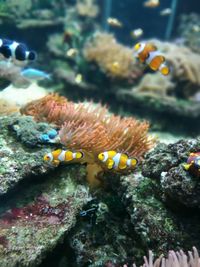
59 155
118 161
149 54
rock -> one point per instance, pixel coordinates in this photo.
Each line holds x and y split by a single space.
38 218
164 164
165 111
154 225
18 161
21 96
38 205
27 131
39 23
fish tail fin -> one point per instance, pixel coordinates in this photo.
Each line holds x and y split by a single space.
32 55
164 69
79 155
134 162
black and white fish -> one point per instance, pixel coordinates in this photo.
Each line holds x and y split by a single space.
16 51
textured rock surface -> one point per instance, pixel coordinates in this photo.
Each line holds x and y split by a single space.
42 208
154 225
138 209
165 165
18 160
45 212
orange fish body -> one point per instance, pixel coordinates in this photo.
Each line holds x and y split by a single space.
149 54
143 55
117 161
60 155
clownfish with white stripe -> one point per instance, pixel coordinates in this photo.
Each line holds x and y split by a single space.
148 53
59 155
117 161
16 51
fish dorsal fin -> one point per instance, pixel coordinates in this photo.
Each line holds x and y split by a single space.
59 150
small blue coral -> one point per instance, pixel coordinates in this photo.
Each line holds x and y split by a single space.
45 138
52 133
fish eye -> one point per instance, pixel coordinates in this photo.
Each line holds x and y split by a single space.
101 156
46 157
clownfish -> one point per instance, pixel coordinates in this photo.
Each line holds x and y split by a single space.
118 161
193 164
149 54
13 50
59 155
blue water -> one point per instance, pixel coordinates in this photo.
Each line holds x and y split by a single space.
134 15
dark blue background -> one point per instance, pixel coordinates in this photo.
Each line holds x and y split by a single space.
134 15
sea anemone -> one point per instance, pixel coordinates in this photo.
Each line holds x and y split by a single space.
51 108
114 59
92 129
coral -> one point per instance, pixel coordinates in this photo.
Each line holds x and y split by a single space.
12 73
43 206
87 8
114 59
18 136
189 30
91 129
56 45
154 224
21 96
51 108
36 222
183 80
154 84
176 183
7 108
19 9
174 259
184 63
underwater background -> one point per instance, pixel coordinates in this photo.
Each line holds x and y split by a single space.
99 133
